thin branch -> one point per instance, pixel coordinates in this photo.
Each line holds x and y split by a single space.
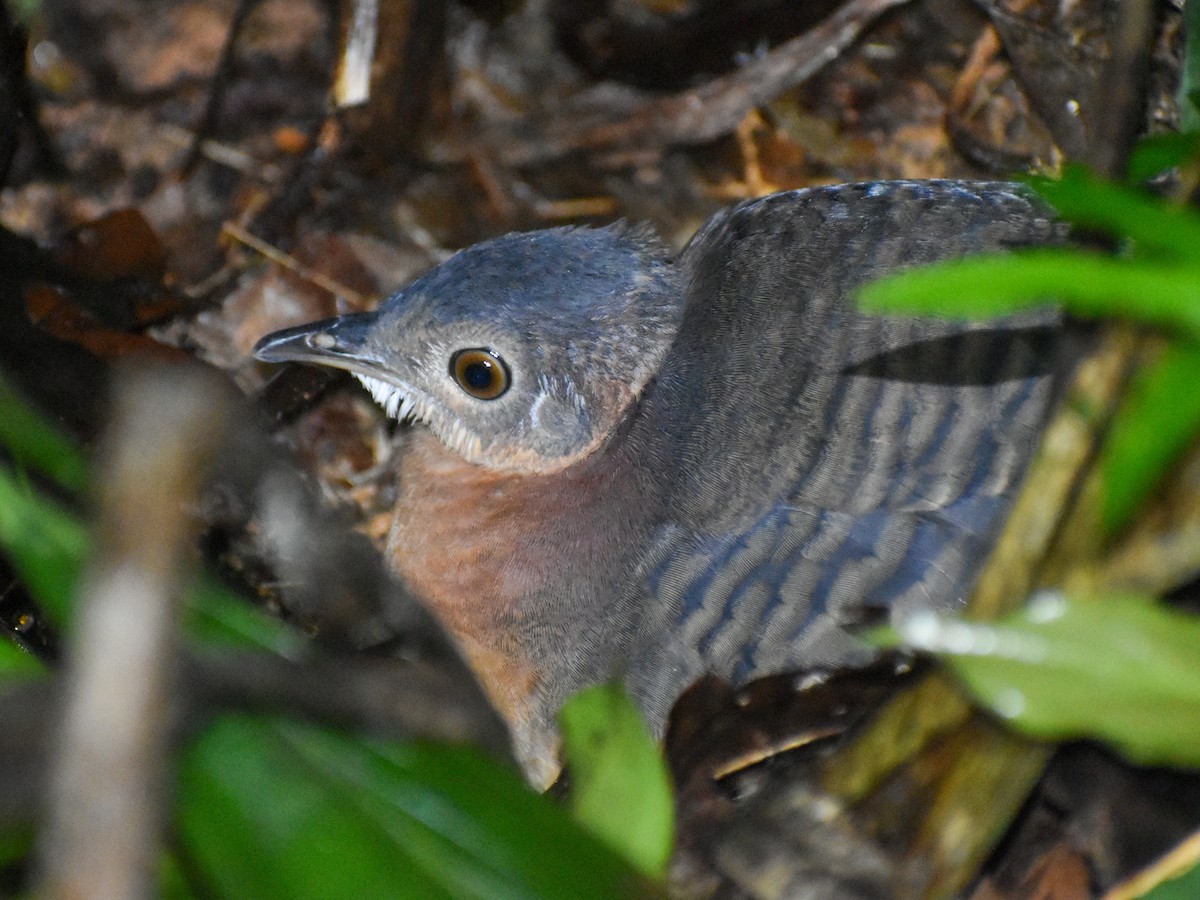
106 791
696 116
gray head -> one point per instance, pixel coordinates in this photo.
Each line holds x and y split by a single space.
521 353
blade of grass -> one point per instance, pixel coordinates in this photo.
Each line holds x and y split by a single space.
1158 421
36 444
1089 201
1158 153
1087 285
16 663
45 543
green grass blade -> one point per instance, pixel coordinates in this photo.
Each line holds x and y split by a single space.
215 615
16 663
1088 285
1158 153
1185 886
45 543
1157 422
1155 226
35 444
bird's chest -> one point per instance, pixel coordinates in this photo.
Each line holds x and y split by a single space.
485 549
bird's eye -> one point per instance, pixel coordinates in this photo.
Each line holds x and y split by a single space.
479 372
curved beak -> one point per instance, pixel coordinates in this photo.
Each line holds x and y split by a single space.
341 342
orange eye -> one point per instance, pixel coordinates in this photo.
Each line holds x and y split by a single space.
479 372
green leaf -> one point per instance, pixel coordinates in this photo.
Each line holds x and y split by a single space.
1158 420
173 883
217 615
1184 887
45 543
256 823
36 444
1118 668
16 844
620 789
1086 284
16 663
271 808
1158 153
1153 224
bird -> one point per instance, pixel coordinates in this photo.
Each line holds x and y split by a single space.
627 462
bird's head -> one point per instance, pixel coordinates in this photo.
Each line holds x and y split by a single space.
521 353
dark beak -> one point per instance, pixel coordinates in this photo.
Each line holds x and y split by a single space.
340 342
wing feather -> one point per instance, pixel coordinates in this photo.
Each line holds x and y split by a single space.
817 462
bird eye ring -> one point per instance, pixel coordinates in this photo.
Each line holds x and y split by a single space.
480 372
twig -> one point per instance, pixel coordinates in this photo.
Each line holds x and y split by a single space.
289 262
18 105
216 93
380 695
106 790
1178 861
223 154
695 116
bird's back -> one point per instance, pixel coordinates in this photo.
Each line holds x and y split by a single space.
815 463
